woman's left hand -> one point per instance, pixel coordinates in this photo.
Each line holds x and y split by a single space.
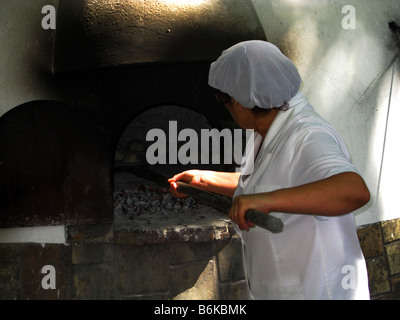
243 203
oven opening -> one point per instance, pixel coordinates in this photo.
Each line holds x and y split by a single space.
155 145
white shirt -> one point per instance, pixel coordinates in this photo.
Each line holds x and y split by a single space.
314 257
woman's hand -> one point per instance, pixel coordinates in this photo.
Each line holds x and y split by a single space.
243 203
192 177
213 181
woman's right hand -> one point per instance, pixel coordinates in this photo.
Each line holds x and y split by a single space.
213 181
193 177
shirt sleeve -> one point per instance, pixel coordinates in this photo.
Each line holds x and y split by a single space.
318 153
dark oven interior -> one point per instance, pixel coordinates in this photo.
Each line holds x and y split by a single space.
64 163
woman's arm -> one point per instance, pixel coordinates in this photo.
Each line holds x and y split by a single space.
334 196
213 181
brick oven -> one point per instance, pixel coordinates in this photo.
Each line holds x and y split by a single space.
63 163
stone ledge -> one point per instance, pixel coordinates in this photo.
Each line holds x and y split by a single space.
92 233
201 225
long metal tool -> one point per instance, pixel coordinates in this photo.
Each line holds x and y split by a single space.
216 201
224 204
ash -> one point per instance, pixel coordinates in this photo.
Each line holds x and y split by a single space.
130 203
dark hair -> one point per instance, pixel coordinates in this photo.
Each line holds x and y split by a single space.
260 111
226 98
222 97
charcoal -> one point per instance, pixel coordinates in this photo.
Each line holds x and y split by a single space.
130 203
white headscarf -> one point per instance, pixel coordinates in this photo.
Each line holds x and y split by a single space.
255 73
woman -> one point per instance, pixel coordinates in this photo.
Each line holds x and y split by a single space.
302 174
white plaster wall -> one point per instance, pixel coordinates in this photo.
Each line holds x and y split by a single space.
347 77
26 53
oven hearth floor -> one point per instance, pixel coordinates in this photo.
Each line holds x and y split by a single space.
200 225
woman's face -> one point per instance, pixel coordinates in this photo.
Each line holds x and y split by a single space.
246 119
240 114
